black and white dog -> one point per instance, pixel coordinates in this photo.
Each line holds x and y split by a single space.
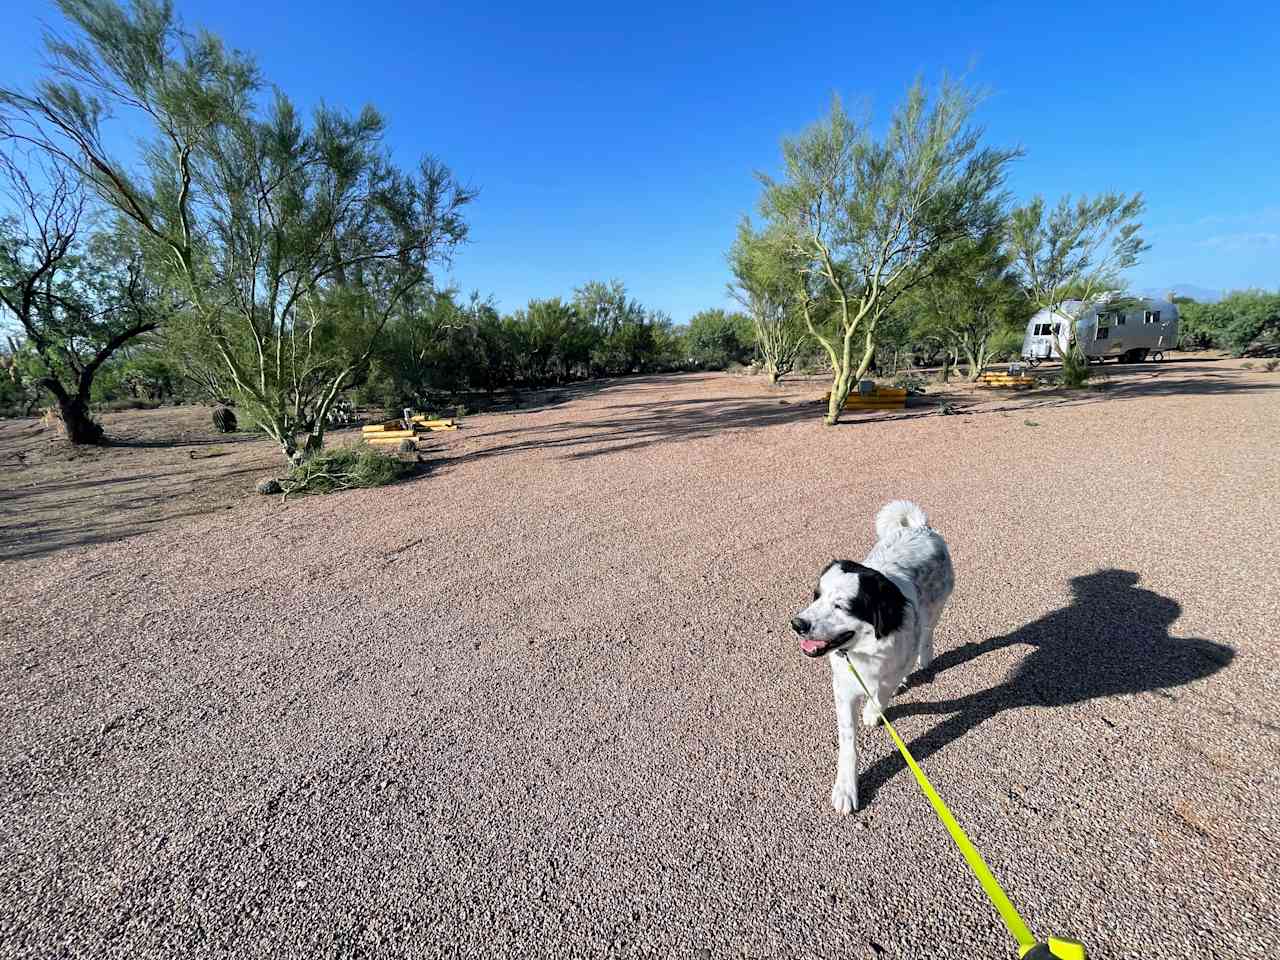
879 615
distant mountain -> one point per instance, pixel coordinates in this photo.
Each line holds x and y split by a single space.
1203 294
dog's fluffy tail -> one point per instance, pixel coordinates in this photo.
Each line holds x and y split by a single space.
899 514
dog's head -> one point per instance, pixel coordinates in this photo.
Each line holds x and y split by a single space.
850 602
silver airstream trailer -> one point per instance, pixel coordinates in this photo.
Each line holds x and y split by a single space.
1130 329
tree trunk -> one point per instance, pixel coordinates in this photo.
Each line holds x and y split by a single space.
314 443
77 425
840 389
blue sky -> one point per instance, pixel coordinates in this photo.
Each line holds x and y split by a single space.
621 141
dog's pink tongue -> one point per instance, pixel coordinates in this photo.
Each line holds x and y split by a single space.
810 646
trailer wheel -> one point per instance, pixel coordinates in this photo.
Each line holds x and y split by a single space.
1033 361
1157 356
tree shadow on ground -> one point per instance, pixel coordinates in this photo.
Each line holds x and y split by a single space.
631 424
634 426
1141 382
545 396
1113 639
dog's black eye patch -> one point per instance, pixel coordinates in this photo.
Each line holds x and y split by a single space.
878 602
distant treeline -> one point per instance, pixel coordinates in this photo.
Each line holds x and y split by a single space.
1244 322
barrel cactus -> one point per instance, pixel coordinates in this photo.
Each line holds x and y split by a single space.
224 419
408 446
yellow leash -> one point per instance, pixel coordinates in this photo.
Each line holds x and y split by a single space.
1028 947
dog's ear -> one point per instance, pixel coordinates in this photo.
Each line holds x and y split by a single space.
846 566
879 602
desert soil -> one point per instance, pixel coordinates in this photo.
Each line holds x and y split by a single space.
542 700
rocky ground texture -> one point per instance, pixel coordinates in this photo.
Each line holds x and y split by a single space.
542 701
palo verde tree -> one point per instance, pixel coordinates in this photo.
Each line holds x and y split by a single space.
1075 251
764 284
972 296
866 219
73 299
295 243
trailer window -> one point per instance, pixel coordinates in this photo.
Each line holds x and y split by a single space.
1044 329
1102 333
1119 319
1153 316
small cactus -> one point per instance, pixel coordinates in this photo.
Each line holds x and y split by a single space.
408 446
224 419
268 486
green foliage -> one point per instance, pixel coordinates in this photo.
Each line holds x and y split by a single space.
294 242
972 298
1076 251
717 339
862 219
765 283
73 299
344 468
436 345
1199 327
913 383
549 341
1005 345
1075 369
1245 321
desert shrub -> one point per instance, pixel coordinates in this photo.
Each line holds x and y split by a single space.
1246 321
344 468
1271 365
911 382
1075 369
1199 326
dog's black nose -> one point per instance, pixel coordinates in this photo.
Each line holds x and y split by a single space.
800 625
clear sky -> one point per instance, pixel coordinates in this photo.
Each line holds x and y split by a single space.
620 140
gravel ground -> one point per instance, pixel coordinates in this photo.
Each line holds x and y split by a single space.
543 700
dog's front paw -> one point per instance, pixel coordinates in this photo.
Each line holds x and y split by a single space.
844 797
870 714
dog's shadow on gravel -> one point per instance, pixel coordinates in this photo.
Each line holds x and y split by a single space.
1112 639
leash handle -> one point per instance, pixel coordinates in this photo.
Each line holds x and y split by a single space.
1028 947
1055 949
